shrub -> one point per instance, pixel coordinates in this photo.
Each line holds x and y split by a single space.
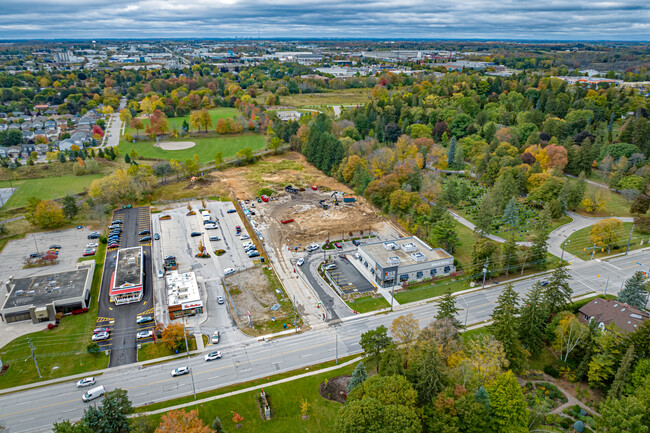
565 423
551 371
51 326
579 426
93 348
266 191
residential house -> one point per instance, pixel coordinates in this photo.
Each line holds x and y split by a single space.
38 132
81 137
289 115
66 144
14 126
52 134
27 148
49 124
3 126
26 126
13 152
42 149
606 311
28 135
3 152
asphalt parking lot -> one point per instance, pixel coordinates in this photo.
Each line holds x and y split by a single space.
121 319
13 256
348 278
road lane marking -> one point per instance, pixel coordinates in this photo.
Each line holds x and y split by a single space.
42 407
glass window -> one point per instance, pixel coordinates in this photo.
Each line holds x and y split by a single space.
404 277
447 269
420 274
433 271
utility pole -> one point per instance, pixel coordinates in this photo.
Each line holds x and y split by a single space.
628 240
485 270
606 285
392 297
33 356
593 250
337 349
295 315
563 247
187 350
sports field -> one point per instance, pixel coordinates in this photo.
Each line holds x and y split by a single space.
46 188
206 147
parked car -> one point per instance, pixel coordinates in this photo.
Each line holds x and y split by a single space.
92 245
101 329
543 283
55 247
228 271
249 248
127 206
300 262
237 227
35 256
195 234
219 300
312 247
338 245
253 253
170 258
215 337
156 236
215 238
144 334
101 336
209 222
244 237
145 238
330 266
144 232
116 222
231 211
160 273
89 253
356 243
180 371
80 227
144 319
87 381
210 226
212 356
93 235
113 245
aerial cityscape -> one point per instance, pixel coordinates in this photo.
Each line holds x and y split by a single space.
324 217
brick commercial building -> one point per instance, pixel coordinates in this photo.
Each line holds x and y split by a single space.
128 277
183 295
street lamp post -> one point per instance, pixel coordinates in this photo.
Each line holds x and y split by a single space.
563 247
187 350
485 271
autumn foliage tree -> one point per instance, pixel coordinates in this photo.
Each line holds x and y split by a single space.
173 336
49 214
158 123
606 233
179 421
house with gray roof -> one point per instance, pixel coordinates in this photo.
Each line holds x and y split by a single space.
606 311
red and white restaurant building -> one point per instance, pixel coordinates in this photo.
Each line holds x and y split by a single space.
183 295
128 276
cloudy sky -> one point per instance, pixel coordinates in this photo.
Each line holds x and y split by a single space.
485 19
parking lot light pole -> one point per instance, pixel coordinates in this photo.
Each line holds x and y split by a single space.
187 350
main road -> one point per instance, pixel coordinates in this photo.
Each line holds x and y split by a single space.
37 409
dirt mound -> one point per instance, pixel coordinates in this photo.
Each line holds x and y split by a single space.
336 388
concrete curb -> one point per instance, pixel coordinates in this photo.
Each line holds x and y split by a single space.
252 388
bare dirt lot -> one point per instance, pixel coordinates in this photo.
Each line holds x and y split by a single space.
176 145
251 291
311 222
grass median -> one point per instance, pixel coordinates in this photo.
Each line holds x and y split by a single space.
366 304
60 351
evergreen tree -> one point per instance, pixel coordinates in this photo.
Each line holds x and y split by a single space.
61 157
392 361
359 375
557 293
509 411
483 398
111 416
533 316
447 310
504 325
616 390
451 151
509 249
634 293
588 351
443 234
127 158
511 214
540 238
450 193
427 372
459 158
484 216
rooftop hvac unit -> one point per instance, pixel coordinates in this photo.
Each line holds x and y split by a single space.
393 261
182 289
418 257
131 261
390 246
31 293
20 292
182 296
636 316
409 247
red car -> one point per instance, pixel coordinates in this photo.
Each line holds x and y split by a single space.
98 330
338 245
113 245
89 253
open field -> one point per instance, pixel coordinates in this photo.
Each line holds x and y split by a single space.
615 204
60 351
46 188
335 97
177 122
579 241
207 187
206 147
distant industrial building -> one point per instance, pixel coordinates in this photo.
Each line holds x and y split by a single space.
408 259
128 277
183 295
39 298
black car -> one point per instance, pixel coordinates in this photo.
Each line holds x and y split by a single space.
195 234
145 238
93 236
156 236
170 258
231 211
117 222
356 243
55 247
35 255
144 232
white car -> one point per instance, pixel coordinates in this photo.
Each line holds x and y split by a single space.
244 237
92 245
86 382
144 334
228 271
312 247
248 244
300 262
101 336
212 356
180 371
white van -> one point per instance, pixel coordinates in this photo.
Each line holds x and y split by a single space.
205 213
93 393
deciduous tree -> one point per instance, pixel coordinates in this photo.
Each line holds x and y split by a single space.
181 421
374 341
173 336
405 329
509 411
569 334
624 415
49 214
606 233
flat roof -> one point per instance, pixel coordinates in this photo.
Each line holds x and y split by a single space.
182 288
44 289
404 249
128 269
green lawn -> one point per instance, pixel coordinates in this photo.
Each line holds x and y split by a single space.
149 351
431 289
46 188
61 351
467 239
580 244
177 122
206 147
368 303
285 402
615 204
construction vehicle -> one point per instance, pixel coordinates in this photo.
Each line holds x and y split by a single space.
291 189
336 200
322 204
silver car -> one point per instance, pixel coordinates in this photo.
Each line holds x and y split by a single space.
87 381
